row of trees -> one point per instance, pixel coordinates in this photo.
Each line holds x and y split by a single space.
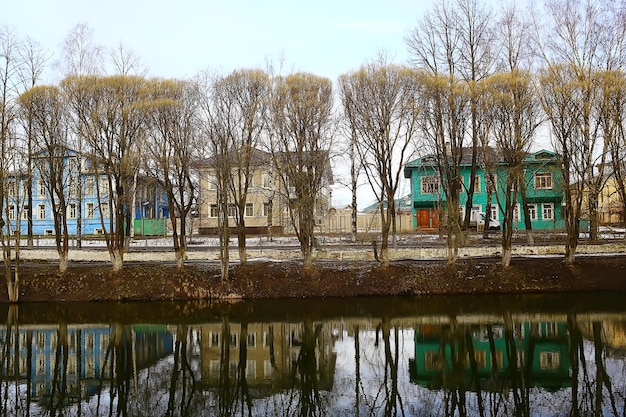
116 128
479 81
495 78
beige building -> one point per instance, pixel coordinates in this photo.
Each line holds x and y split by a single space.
266 202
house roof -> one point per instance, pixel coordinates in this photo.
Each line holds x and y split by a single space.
541 156
402 204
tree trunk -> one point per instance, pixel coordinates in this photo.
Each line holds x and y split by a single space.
506 257
63 261
570 250
179 254
117 259
13 283
241 245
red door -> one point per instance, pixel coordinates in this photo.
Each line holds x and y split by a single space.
423 219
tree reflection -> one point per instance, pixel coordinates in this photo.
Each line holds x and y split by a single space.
305 372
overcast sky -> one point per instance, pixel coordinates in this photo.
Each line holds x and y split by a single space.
178 39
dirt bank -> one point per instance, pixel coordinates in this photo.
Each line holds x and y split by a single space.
158 281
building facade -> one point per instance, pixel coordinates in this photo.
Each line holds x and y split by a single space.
266 200
542 181
91 205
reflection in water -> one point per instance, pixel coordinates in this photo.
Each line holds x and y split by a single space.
516 363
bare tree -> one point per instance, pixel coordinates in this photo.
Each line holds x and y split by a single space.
9 67
456 39
574 49
80 57
34 62
56 166
109 114
301 132
126 61
512 105
171 148
435 46
241 100
381 103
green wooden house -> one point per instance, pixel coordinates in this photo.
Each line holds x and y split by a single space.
543 185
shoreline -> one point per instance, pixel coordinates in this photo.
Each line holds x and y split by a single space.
160 280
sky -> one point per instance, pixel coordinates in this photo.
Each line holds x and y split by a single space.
178 39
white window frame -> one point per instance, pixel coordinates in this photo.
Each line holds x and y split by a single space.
104 209
24 214
41 189
532 211
543 181
41 211
547 211
211 181
477 184
249 211
516 213
429 184
71 211
266 209
11 211
90 210
494 212
213 210
265 180
90 186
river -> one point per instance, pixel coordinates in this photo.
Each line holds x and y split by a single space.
533 355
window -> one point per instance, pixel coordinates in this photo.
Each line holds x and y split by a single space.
266 209
532 211
11 212
430 185
494 212
104 187
72 188
251 340
477 187
213 210
90 211
543 181
516 216
232 210
249 210
490 183
90 188
71 211
12 188
105 210
41 188
550 360
214 339
233 340
547 212
25 213
265 180
211 182
41 212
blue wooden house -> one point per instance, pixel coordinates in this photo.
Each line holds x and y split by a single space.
542 181
150 214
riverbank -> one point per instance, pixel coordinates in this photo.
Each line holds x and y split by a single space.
40 282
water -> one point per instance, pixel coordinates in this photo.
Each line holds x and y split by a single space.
548 355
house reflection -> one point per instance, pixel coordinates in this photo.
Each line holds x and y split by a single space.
75 362
488 357
273 355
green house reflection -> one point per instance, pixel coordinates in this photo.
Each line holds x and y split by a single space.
488 357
